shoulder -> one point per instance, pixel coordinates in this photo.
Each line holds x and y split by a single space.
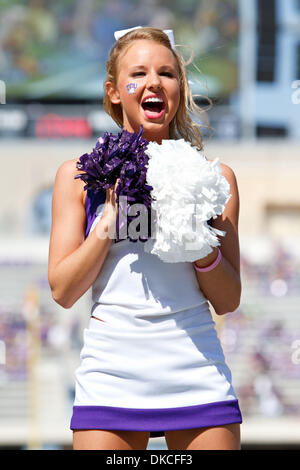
67 168
229 175
66 173
228 221
227 172
232 207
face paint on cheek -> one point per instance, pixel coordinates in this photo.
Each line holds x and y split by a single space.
131 87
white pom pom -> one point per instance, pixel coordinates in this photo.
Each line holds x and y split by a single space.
188 191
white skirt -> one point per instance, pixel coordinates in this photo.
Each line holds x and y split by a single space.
165 373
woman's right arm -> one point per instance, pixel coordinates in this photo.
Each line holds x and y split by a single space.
74 262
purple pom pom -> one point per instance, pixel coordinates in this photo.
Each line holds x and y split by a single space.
119 156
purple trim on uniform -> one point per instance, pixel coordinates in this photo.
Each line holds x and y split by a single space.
156 420
92 201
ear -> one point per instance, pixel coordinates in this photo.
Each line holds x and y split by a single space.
112 92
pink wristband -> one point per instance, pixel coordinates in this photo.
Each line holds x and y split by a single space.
211 266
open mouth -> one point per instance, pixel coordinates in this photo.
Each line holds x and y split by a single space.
153 109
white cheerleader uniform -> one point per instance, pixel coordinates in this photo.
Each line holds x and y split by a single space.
154 363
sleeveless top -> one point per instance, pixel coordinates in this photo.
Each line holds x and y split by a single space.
131 280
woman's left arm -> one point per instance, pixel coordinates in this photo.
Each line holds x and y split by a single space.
222 285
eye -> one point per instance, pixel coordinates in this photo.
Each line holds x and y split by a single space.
168 74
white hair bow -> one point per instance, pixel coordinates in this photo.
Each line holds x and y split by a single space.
168 32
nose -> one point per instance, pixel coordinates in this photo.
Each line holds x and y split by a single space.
153 81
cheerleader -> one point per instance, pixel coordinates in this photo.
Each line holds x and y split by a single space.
151 362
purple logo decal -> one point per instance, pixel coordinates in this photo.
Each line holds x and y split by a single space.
131 87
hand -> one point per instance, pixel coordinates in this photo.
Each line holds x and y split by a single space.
111 208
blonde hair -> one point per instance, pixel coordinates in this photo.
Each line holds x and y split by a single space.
182 125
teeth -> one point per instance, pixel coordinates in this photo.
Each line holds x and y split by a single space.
154 100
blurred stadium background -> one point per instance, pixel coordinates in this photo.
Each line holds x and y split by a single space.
52 65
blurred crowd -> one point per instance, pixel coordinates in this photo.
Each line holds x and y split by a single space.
42 40
260 337
15 334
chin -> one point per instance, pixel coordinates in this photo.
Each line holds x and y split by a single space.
154 126
157 128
